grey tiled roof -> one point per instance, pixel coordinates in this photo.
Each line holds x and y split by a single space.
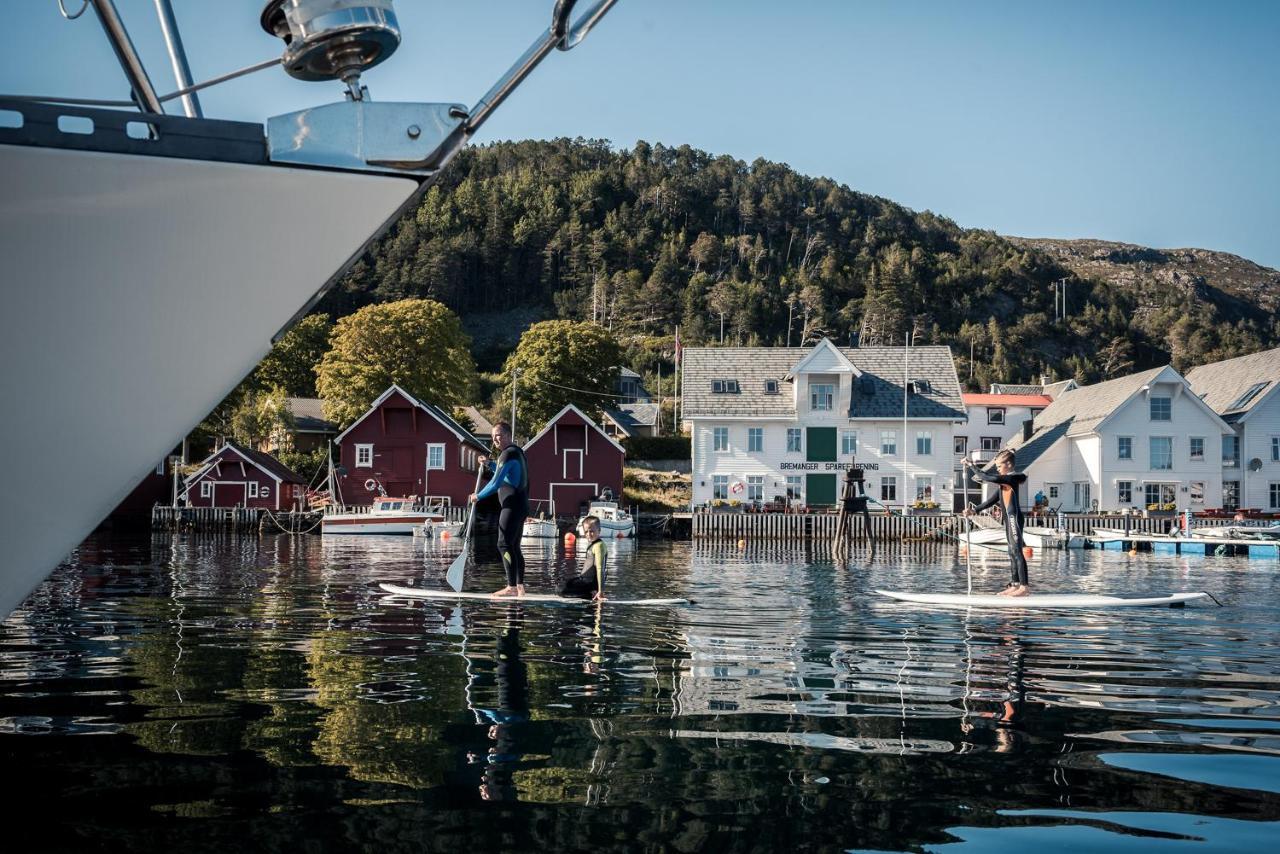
1059 388
483 425
630 416
269 463
1008 388
624 371
1077 413
881 367
307 417
1220 384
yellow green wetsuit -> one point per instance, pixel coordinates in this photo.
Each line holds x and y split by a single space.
591 580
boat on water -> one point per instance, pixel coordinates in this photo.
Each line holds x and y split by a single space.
615 523
1239 532
152 259
386 516
541 522
1034 536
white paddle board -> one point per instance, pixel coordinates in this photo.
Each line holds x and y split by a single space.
528 598
1043 600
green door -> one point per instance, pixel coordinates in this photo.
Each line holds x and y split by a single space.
820 490
821 445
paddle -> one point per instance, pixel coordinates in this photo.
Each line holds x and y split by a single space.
459 566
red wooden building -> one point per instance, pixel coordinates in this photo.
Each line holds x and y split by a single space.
234 476
407 447
571 461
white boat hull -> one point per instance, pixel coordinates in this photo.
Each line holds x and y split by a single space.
541 529
1055 601
1036 538
138 292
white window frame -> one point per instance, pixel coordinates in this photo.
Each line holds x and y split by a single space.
755 487
1273 494
924 488
797 446
1055 490
1191 448
1083 493
795 487
924 443
989 443
889 488
755 440
1151 408
567 452
719 439
822 397
361 452
435 447
206 489
720 487
253 489
1120 447
1232 488
1151 450
960 445
265 491
1163 491
1275 449
1122 487
1197 490
995 415
888 443
849 442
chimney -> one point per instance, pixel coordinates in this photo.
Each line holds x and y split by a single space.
1027 429
1044 380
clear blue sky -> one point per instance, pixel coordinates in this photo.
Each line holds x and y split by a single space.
1150 122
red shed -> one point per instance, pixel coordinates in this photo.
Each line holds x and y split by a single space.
234 476
571 461
407 447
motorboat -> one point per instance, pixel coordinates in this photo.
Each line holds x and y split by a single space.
615 523
1238 532
385 516
541 523
151 259
1034 536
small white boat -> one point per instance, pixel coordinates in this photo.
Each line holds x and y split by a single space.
1035 537
541 522
615 523
386 516
442 530
1238 532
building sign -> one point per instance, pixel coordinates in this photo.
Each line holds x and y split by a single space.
816 466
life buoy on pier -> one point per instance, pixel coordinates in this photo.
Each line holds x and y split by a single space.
737 487
371 485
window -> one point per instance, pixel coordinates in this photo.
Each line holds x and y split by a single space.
1124 447
1082 494
995 414
849 442
1197 449
755 487
990 443
1055 489
888 489
924 489
755 439
919 387
795 487
265 492
795 444
1161 409
1230 451
1243 400
1124 491
719 438
1197 492
1275 449
724 386
888 442
435 456
770 386
364 456
1275 495
1159 494
1161 453
961 444
924 443
206 489
253 489
1231 495
720 486
822 396
1036 410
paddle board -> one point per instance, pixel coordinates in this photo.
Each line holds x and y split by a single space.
1043 600
528 598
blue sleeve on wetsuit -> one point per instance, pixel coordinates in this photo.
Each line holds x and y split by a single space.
509 473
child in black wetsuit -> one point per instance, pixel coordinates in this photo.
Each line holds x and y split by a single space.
589 584
1006 495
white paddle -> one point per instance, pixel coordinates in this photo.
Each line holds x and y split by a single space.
459 566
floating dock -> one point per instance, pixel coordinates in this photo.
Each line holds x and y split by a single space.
1198 546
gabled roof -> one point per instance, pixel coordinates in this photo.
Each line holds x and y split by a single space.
1009 388
483 425
625 372
308 416
1221 384
877 392
631 416
840 363
1056 390
434 411
570 407
274 469
1085 409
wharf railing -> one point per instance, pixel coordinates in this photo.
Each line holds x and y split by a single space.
234 519
721 525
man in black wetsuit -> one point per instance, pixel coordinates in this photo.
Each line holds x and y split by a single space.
1006 495
511 483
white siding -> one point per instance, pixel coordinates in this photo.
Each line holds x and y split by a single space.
1261 425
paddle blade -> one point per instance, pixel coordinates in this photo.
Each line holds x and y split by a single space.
456 570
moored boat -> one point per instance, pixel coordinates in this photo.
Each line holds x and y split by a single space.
614 521
386 516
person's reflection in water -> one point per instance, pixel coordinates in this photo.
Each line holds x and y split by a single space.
1007 658
511 676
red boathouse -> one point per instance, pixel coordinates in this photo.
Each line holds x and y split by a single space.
571 461
404 446
234 476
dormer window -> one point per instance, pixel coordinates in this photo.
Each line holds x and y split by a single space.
724 386
770 386
918 387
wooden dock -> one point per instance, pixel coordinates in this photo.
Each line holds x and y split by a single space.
250 520
1193 546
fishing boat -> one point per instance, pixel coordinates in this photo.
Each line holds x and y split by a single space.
154 258
541 522
615 523
385 516
1034 536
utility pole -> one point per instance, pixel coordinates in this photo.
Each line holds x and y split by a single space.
515 374
906 380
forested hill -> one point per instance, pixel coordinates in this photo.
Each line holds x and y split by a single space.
645 239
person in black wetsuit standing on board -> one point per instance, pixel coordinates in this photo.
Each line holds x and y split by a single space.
511 482
1006 495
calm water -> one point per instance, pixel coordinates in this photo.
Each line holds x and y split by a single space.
195 693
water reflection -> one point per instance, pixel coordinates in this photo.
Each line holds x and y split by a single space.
265 687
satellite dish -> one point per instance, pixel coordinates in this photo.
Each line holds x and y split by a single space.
1255 464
